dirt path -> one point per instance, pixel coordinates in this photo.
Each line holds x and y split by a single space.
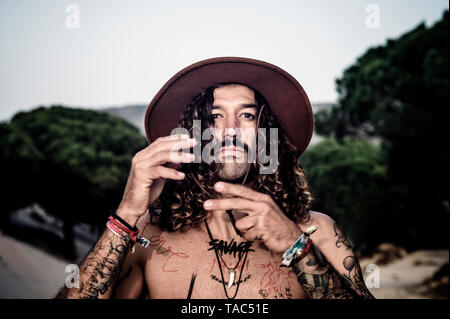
26 272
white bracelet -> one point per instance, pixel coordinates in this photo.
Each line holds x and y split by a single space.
116 233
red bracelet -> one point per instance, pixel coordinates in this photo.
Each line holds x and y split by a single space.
117 231
306 250
133 234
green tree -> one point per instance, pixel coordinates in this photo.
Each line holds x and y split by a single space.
399 92
349 183
73 162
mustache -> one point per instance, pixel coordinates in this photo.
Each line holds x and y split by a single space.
233 141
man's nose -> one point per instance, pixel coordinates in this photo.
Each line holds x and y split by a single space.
231 127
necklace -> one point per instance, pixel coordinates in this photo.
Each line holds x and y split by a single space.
213 277
232 271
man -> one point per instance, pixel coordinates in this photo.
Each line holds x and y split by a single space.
222 226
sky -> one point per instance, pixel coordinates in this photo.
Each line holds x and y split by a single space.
122 52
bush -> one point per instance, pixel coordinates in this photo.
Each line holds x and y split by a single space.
73 162
349 183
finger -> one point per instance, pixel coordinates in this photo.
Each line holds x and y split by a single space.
169 157
174 137
145 152
178 145
174 146
252 234
173 165
168 173
241 191
245 223
230 203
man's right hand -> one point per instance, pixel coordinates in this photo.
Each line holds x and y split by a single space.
148 174
145 183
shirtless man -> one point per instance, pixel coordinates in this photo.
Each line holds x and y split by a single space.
213 254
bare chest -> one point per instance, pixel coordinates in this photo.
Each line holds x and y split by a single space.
172 263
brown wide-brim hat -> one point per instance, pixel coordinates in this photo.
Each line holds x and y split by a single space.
285 96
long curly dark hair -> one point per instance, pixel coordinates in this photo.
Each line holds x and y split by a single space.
180 205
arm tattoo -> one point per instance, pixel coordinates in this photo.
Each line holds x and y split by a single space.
104 272
341 238
100 270
321 281
354 278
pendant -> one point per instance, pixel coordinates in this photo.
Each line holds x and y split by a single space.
231 281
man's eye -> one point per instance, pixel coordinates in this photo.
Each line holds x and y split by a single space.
249 116
215 116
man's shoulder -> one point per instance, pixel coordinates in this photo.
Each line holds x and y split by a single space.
322 219
148 225
148 230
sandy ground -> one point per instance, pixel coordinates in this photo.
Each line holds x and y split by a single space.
404 278
27 272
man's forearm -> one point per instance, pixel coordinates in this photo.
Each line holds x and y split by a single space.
100 269
321 281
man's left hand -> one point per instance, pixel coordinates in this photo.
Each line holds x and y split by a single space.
265 220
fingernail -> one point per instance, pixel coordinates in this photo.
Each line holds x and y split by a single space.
180 173
207 203
219 186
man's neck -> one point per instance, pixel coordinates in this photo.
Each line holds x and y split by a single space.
221 227
219 221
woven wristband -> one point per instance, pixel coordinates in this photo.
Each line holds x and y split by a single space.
125 229
305 251
132 232
118 232
298 247
133 229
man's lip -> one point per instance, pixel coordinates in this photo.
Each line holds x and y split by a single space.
232 149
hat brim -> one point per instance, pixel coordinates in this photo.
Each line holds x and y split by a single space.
285 96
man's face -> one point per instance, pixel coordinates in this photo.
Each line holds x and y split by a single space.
234 112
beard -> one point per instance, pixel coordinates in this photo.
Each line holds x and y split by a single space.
233 167
232 171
